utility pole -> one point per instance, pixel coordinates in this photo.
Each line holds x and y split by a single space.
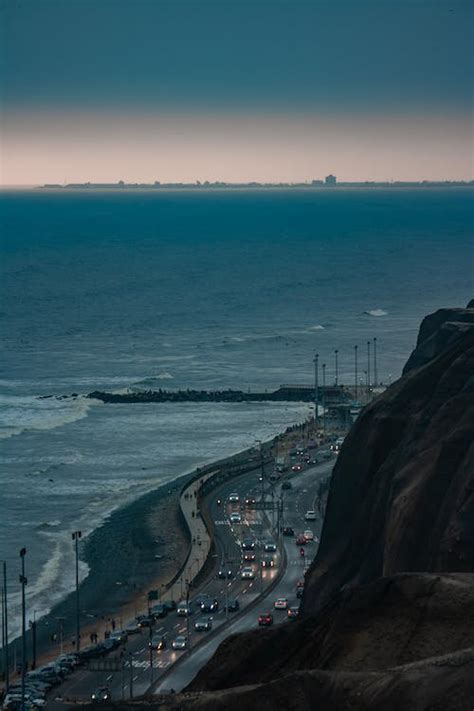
23 582
5 622
75 537
336 377
356 365
316 376
324 398
368 368
375 363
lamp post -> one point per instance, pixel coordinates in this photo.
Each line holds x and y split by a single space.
75 537
368 368
375 362
23 582
324 398
5 623
32 624
316 376
355 366
336 364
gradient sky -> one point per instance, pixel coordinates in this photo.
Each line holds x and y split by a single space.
147 90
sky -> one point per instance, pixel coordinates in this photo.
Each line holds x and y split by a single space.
237 90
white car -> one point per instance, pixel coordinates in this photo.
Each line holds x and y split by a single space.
183 609
234 498
247 573
310 515
281 603
309 535
180 642
235 518
270 547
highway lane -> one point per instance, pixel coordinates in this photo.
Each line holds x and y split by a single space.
137 674
296 500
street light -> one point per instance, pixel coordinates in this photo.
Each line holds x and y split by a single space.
368 368
32 624
375 362
23 582
324 398
336 377
75 537
316 376
355 364
5 623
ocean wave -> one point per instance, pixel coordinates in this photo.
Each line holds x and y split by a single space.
376 312
318 327
22 413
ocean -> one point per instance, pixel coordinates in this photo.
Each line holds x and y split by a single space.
218 289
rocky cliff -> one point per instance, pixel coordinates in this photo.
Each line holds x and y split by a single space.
388 611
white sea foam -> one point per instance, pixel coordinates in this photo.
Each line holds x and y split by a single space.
22 413
376 312
318 327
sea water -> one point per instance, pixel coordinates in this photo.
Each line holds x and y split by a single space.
212 289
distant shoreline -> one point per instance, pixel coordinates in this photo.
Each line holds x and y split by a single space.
203 187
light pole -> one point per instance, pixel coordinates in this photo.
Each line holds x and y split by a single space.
355 365
375 362
32 624
5 622
324 398
23 582
75 537
368 368
336 359
316 376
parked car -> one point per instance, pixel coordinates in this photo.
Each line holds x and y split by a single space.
144 620
265 619
158 611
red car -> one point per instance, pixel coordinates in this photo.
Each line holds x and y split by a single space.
265 619
301 540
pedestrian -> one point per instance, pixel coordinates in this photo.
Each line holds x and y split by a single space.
113 623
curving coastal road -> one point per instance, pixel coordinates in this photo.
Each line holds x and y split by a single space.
128 671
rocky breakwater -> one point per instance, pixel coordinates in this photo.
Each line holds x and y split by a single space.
387 618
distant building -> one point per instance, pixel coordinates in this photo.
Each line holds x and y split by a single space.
330 180
316 183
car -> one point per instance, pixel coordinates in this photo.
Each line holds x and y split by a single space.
158 611
249 556
183 609
158 641
300 540
235 518
248 544
309 535
269 546
169 605
297 468
234 498
209 604
293 612
287 485
224 573
249 501
281 603
181 642
101 694
267 561
288 531
247 573
131 629
310 515
144 620
265 619
203 624
233 605
120 635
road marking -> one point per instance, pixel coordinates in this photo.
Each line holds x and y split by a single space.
109 677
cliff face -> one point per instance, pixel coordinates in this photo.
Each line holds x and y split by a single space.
388 611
